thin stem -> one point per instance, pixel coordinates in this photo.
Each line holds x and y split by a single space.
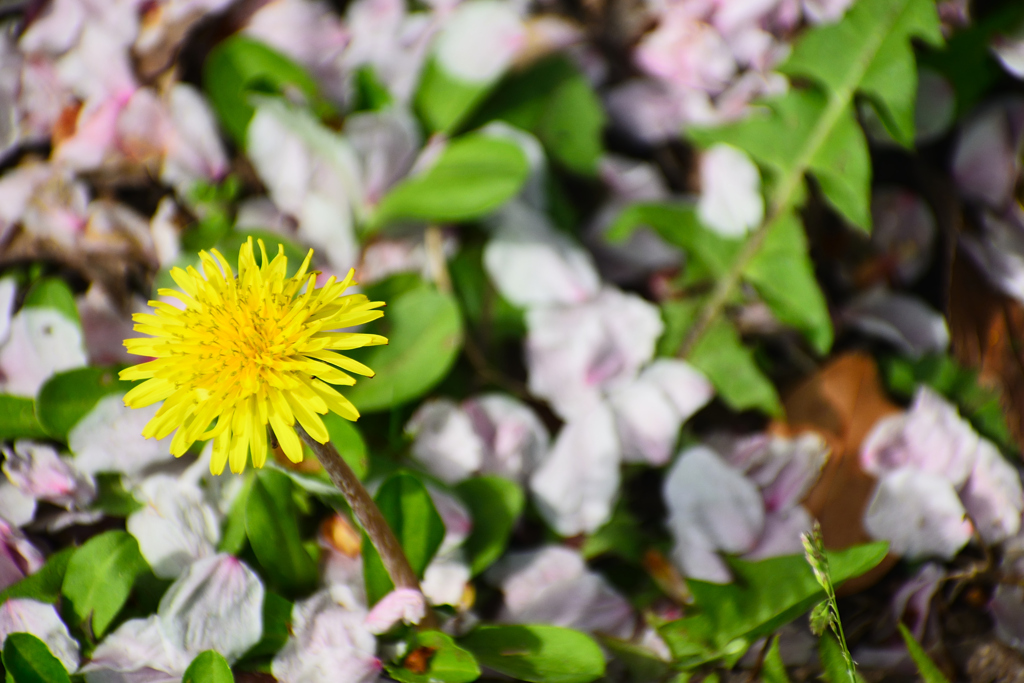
366 512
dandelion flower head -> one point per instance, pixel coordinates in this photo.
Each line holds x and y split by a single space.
246 352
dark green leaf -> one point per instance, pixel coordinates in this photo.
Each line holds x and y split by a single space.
572 124
238 67
424 331
783 274
99 578
448 663
495 504
540 654
925 666
272 527
28 660
18 419
409 511
45 584
208 667
68 396
474 175
53 293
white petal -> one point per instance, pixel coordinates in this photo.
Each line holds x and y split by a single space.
532 264
552 585
457 521
576 487
8 290
195 151
217 604
175 528
42 342
330 644
647 422
930 437
402 605
574 353
919 514
712 506
109 439
730 201
21 615
993 495
445 441
515 440
782 532
444 580
479 41
16 506
137 652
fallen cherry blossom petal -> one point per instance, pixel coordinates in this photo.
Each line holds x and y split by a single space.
576 486
919 513
402 605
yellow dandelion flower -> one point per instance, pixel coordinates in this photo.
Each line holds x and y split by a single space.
243 353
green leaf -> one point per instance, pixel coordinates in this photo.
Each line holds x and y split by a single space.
448 663
44 585
810 130
764 596
870 52
232 540
723 358
925 666
68 396
443 101
53 293
540 654
678 224
99 578
622 535
783 274
409 511
833 664
272 527
571 125
238 67
346 438
208 667
553 100
18 419
474 175
482 305
495 504
774 671
111 496
424 331
641 663
28 660
782 139
277 619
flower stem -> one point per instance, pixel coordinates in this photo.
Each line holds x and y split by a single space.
366 512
